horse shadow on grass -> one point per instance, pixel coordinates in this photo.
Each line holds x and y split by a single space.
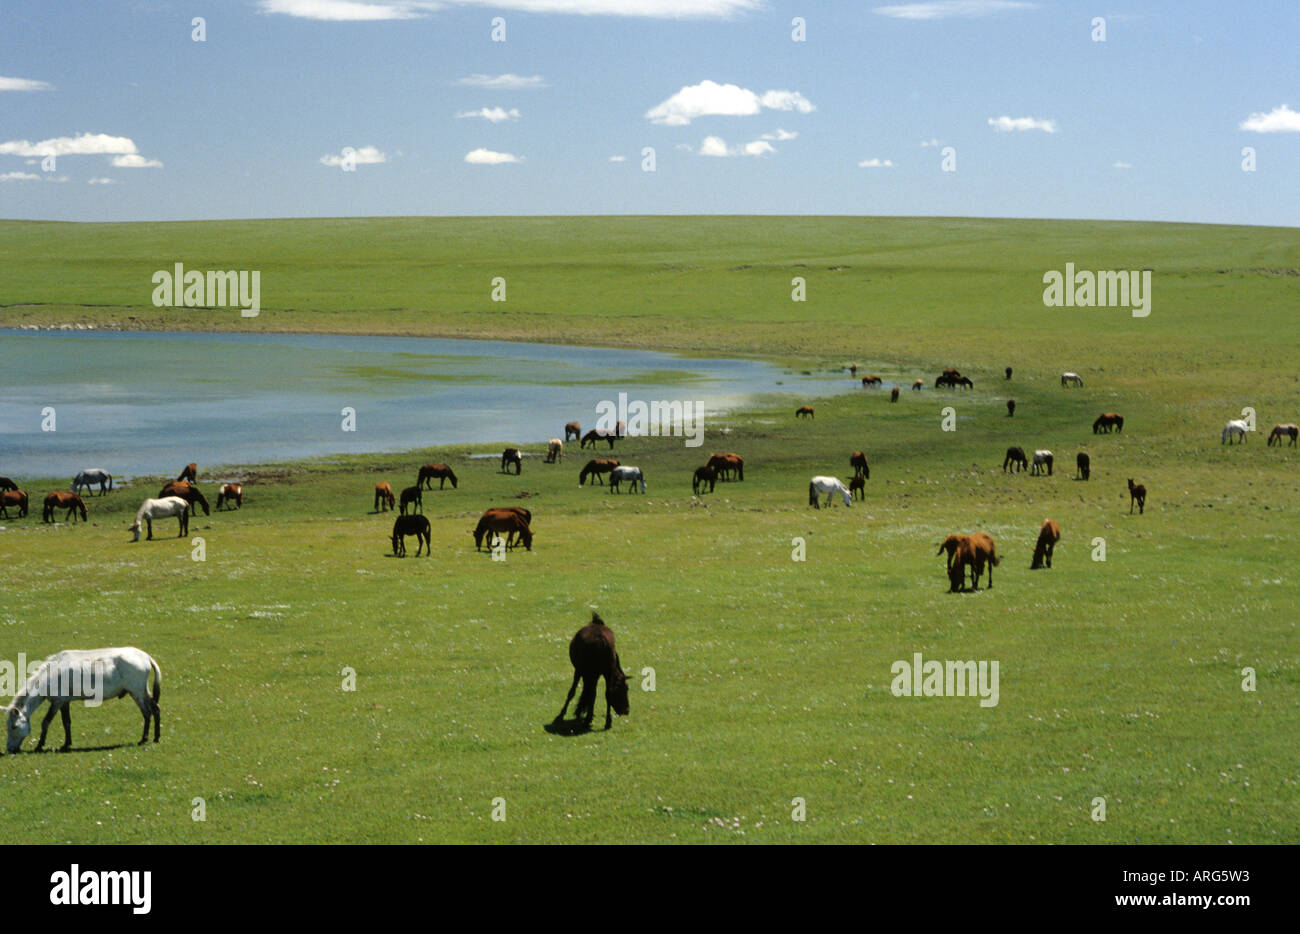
57 750
576 727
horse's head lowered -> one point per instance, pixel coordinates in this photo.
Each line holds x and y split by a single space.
17 726
616 689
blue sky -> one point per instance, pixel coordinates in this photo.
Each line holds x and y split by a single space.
147 124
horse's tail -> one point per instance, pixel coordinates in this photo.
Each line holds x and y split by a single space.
157 680
110 481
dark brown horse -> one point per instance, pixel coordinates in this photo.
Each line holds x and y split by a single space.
727 464
508 521
232 493
858 461
527 515
872 381
440 472
1083 466
16 498
384 498
1008 372
858 487
893 394
69 501
188 492
976 552
594 469
411 497
412 525
572 431
1137 493
1048 535
1107 421
804 411
1277 434
7 484
512 456
952 381
1016 459
703 475
594 657
190 473
1011 408
598 434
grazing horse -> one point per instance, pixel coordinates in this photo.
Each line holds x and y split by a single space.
7 484
858 461
950 545
594 469
1042 459
595 435
572 431
90 477
440 472
703 475
554 451
975 552
503 520
527 515
727 464
953 381
1277 434
1016 458
631 475
893 394
17 498
234 493
1008 372
412 525
1083 464
69 501
1071 379
411 497
1048 535
593 656
164 508
190 473
512 456
804 411
86 674
1235 428
829 486
858 485
1137 493
917 384
188 492
384 498
1011 408
1106 421
872 381
853 369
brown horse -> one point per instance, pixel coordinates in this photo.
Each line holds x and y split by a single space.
1277 434
1008 372
384 498
16 498
1137 493
598 434
232 493
858 487
554 451
190 473
503 520
872 381
412 525
69 501
1048 536
512 456
858 461
1011 408
411 497
1016 458
572 431
950 545
594 657
7 484
594 469
1106 421
804 411
703 475
1083 466
976 552
188 492
893 394
726 464
440 472
917 384
527 515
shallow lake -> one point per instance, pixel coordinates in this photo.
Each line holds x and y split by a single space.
140 402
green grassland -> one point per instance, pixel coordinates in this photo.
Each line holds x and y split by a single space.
1118 678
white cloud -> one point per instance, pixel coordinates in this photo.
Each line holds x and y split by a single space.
929 143
372 10
488 157
506 82
341 10
716 146
1020 124
618 158
23 84
101 181
83 144
1122 165
952 9
708 98
1278 120
875 164
19 177
491 114
365 155
780 135
135 161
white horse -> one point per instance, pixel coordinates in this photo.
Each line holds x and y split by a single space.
632 475
163 508
89 477
1068 378
92 675
830 486
1042 459
1237 427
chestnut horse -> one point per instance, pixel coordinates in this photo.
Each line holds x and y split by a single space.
69 501
384 498
1048 535
190 473
1137 493
440 472
917 384
186 491
594 469
975 552
1084 465
572 431
858 461
1277 434
703 475
503 520
728 463
1106 421
411 497
232 493
872 381
893 394
594 657
950 545
1016 458
17 498
412 525
512 456
804 411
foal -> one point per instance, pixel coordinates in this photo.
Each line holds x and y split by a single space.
1137 493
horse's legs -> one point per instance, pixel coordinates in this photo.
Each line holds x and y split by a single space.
572 687
149 522
67 726
147 708
45 724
